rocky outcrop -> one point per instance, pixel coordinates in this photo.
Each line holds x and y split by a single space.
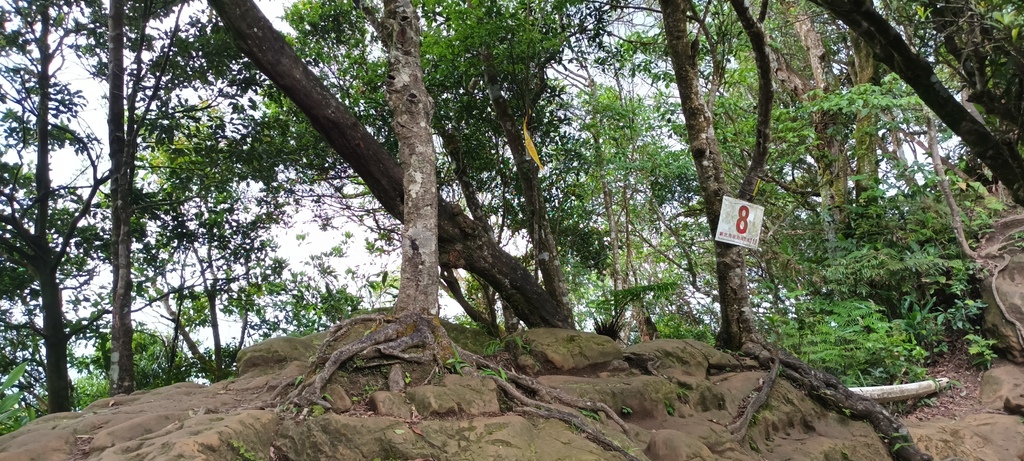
1003 293
678 415
569 351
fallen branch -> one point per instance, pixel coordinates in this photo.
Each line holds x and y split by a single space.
833 394
898 392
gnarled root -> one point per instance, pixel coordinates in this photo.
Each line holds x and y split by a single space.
391 337
738 428
831 393
544 405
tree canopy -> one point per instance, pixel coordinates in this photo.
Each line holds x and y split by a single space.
882 140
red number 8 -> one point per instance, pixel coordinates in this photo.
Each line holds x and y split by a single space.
741 223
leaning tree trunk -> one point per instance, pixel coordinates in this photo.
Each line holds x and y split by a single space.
541 236
462 241
1002 158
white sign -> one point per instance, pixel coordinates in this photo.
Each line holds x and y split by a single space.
740 222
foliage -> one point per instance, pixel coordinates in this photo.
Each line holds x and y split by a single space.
980 350
13 414
853 340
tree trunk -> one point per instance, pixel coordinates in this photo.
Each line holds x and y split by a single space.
413 108
43 183
462 240
865 135
533 200
218 354
55 337
830 153
730 263
122 168
55 341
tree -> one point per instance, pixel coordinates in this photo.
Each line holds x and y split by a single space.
999 152
122 161
733 293
463 241
42 224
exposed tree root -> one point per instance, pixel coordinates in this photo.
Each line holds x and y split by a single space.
576 422
391 337
831 393
545 393
738 428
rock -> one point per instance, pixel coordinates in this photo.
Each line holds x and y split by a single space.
50 438
463 396
635 398
338 398
569 350
1009 285
1001 387
386 403
207 437
134 428
977 437
527 364
509 437
669 445
471 339
273 354
396 379
674 353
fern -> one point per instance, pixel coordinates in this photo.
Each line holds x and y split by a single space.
852 340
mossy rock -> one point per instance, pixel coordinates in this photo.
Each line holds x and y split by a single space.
273 354
636 397
457 396
473 340
570 350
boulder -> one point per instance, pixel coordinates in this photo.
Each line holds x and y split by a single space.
1002 388
1008 285
463 396
570 351
636 398
976 437
509 437
690 356
387 403
273 354
669 445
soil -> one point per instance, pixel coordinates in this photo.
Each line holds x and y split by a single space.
962 396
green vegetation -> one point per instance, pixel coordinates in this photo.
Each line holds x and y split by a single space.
13 413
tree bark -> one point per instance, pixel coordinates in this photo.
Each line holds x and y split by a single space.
940 175
1002 158
737 323
122 168
865 135
413 108
55 337
55 341
461 239
829 153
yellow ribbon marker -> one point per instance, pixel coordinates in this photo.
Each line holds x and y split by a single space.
529 143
